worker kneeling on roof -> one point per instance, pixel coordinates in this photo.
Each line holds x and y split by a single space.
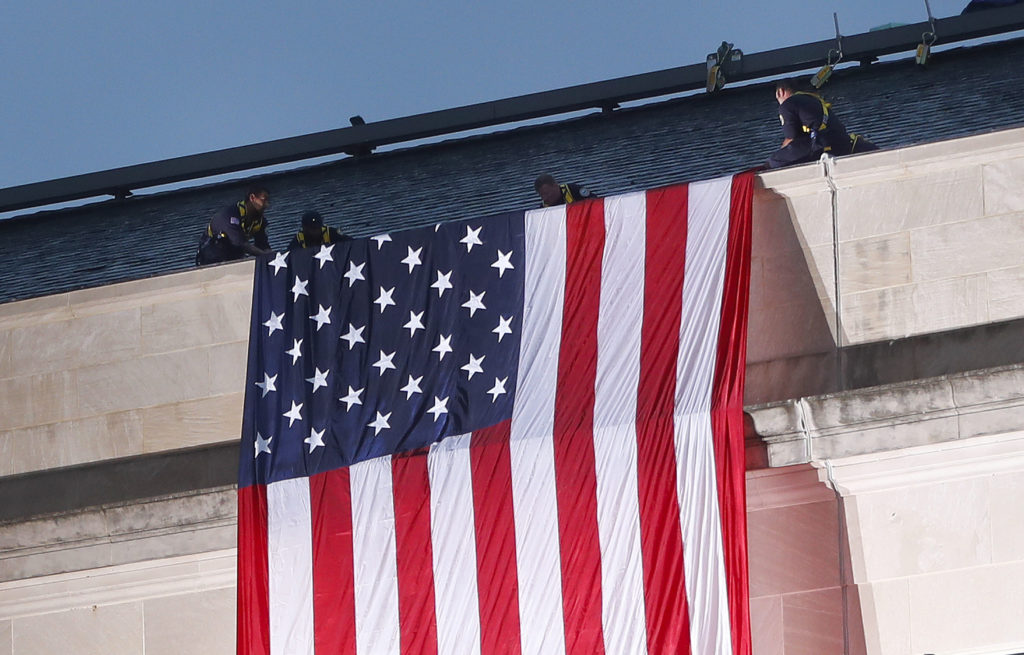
237 230
810 128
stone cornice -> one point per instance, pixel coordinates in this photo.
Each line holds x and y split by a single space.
891 417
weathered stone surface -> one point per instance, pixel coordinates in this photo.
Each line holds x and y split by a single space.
154 529
6 638
766 621
912 309
95 630
806 533
886 611
977 245
875 262
39 399
75 342
209 615
191 423
908 201
145 381
992 619
813 622
1003 192
194 322
1005 494
72 442
1006 293
923 529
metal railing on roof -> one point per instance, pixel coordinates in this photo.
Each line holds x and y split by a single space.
608 94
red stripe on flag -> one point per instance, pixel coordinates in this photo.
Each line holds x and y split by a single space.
416 618
727 409
497 579
661 540
253 629
334 603
575 474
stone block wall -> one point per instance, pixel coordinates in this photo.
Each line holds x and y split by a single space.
930 239
125 369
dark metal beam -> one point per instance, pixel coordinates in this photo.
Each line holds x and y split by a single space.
358 138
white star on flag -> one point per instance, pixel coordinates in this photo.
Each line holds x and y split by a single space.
324 255
268 384
472 238
299 288
473 367
322 317
296 350
315 439
503 327
475 302
319 379
381 239
443 283
274 323
412 386
354 273
355 336
384 363
262 445
412 260
293 414
443 347
352 398
384 299
415 323
279 262
503 263
498 388
379 423
440 407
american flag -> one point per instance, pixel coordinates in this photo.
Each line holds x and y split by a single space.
518 434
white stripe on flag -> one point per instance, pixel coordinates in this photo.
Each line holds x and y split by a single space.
532 447
374 561
290 567
700 521
619 329
454 546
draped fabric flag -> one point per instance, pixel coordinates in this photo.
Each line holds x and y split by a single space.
518 434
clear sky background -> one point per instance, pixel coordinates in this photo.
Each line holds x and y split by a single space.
93 85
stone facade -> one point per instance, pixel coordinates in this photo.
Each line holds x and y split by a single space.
882 518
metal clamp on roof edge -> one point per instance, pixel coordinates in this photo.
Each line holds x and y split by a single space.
832 58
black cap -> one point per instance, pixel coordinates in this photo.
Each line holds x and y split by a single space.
312 219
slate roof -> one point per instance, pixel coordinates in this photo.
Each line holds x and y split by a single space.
964 91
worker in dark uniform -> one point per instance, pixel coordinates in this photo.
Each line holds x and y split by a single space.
237 230
552 193
810 128
314 233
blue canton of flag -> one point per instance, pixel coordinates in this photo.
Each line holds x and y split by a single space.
383 345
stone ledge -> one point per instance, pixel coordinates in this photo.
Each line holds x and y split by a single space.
118 584
890 417
134 531
116 481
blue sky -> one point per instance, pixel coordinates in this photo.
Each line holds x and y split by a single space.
91 86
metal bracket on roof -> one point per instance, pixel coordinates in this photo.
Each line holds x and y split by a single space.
726 61
832 58
928 39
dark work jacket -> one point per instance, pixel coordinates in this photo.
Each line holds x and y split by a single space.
229 231
808 116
